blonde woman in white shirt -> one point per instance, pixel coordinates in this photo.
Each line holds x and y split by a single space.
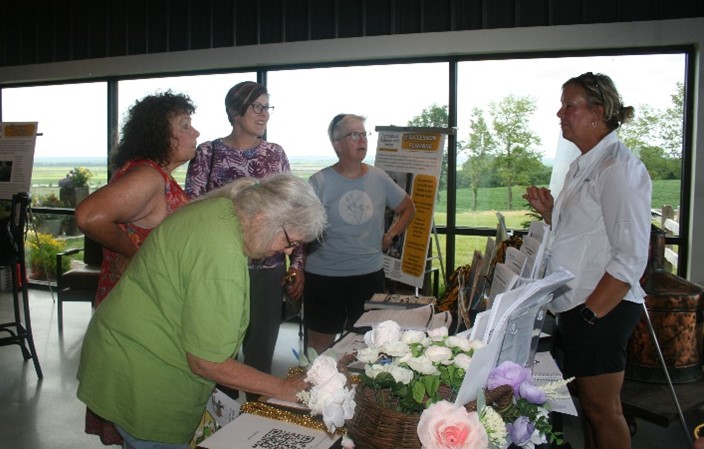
600 232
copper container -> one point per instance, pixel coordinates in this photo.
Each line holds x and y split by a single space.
677 314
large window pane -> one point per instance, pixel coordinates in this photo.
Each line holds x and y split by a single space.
387 95
207 92
73 125
524 96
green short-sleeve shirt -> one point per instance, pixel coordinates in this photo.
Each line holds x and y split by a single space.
186 290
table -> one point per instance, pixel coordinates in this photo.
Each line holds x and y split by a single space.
653 402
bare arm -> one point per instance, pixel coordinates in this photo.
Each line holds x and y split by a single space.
137 197
239 376
405 213
606 295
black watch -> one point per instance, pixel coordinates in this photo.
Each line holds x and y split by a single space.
588 315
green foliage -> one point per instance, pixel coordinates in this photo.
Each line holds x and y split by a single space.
655 135
42 255
77 177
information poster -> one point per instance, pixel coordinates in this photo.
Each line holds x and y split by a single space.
413 158
17 141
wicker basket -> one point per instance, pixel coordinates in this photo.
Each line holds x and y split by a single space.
377 427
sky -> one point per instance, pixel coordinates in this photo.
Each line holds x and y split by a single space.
72 118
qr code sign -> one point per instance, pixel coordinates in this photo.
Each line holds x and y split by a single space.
281 439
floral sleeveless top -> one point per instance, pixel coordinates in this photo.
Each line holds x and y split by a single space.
114 264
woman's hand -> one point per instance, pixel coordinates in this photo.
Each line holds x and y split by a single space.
541 200
292 385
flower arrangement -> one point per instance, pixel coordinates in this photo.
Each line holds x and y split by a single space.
414 365
524 422
329 395
77 177
419 374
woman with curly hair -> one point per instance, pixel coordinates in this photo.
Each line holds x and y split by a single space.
156 138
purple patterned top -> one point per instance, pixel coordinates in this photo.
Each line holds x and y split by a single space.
216 164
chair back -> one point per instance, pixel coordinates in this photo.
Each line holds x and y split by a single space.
92 252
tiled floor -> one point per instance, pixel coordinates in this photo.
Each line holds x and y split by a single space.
46 414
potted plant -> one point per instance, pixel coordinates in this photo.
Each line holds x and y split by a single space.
74 186
48 223
73 189
42 255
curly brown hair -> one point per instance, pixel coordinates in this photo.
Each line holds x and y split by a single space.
146 131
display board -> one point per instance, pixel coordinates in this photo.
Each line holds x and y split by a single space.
412 156
17 143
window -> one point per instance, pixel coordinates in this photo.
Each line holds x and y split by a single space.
513 104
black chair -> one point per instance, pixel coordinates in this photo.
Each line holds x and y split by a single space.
12 233
79 283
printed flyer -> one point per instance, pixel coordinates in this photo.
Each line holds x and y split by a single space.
17 141
413 158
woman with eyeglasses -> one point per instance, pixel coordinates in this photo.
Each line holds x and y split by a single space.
243 153
600 232
170 329
346 268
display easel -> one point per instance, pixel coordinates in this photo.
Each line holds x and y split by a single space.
20 330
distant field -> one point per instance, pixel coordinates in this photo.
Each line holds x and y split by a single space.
45 179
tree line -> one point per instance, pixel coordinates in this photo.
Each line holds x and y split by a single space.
503 151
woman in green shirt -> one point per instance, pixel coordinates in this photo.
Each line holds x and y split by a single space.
174 322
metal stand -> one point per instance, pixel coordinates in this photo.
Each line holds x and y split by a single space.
19 330
685 428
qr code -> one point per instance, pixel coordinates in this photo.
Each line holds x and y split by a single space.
281 439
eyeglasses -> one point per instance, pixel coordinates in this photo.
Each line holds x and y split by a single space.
258 108
289 243
354 135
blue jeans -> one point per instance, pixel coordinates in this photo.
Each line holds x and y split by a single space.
131 442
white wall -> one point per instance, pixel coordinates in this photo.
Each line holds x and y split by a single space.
574 37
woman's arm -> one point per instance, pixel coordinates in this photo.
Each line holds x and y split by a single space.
239 376
405 213
542 201
137 197
199 170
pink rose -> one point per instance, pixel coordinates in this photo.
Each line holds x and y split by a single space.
444 425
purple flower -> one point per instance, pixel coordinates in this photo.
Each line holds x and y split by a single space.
520 431
532 394
509 373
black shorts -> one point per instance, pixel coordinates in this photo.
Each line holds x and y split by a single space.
592 349
331 304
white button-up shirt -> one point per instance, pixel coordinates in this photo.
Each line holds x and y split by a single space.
601 223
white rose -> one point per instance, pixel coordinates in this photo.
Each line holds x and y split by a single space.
462 361
422 365
458 342
400 374
331 385
324 367
338 407
438 333
408 356
373 370
368 355
395 348
382 333
438 354
410 337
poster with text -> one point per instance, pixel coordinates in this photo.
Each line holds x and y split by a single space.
17 141
413 158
